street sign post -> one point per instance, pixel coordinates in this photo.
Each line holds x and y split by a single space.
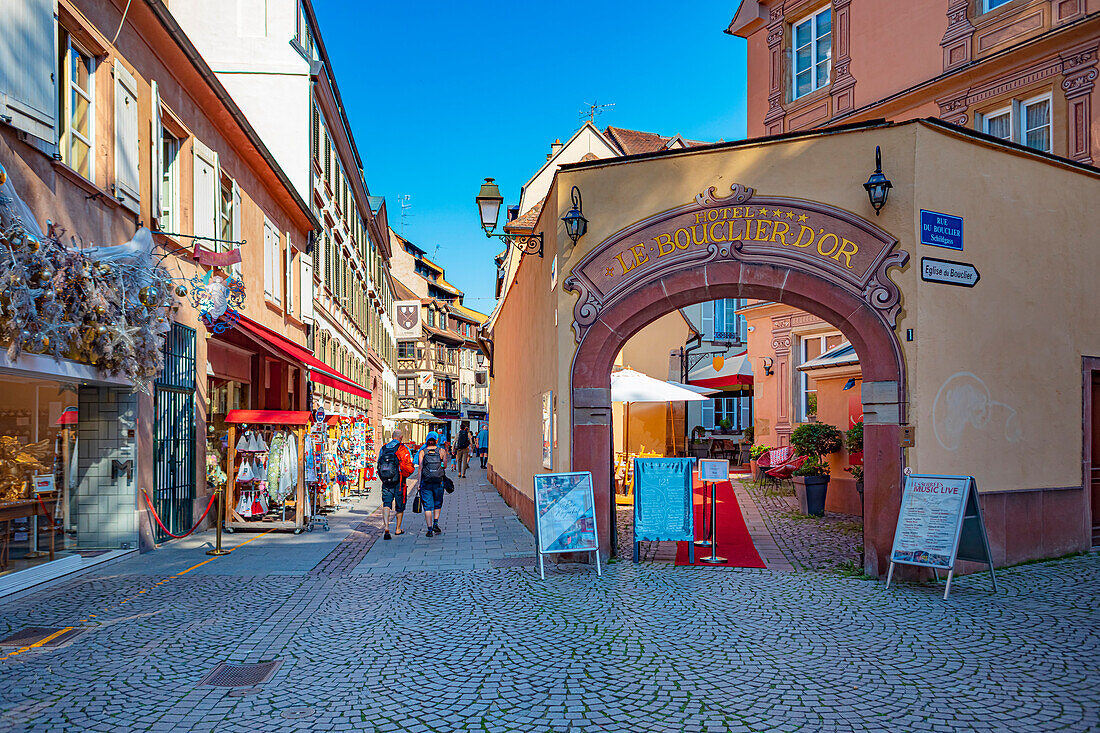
940 523
565 516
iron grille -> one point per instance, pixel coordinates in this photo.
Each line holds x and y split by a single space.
174 433
240 675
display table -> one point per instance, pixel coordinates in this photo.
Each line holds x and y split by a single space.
24 509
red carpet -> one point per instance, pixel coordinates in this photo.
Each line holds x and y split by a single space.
734 542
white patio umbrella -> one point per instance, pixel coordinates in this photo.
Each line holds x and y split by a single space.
629 386
412 415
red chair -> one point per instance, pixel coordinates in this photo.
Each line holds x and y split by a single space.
772 459
779 474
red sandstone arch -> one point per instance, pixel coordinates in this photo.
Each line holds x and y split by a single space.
874 341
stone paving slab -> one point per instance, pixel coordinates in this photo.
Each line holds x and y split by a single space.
647 648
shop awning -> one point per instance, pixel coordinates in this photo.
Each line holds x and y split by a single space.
843 354
734 373
319 372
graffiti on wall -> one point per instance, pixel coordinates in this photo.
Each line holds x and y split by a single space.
964 402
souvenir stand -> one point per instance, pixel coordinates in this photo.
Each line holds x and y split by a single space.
252 435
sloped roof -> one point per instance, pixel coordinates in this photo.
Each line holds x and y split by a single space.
840 355
400 292
527 221
632 142
448 336
444 285
470 313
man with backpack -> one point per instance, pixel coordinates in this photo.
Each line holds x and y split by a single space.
394 467
432 461
462 450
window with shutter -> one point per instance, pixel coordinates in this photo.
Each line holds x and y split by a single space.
305 287
28 91
269 264
76 108
205 184
127 176
288 276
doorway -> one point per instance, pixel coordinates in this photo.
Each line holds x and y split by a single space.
1092 443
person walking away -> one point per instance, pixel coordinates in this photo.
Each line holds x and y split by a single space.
462 449
432 462
483 443
394 467
450 453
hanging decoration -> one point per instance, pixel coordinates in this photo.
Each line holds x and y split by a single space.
105 306
218 299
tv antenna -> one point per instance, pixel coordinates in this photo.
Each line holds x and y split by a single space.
406 209
595 109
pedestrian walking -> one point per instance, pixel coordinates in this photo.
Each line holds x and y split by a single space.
432 462
462 449
394 467
450 452
483 443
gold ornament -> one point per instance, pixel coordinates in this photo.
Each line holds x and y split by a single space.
181 291
100 310
149 296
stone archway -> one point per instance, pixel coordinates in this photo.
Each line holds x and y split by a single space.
692 264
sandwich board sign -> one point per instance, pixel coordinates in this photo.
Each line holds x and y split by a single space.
565 516
663 501
940 523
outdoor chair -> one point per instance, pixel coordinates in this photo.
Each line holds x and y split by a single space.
773 458
779 474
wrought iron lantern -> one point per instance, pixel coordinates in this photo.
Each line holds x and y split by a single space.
575 223
878 185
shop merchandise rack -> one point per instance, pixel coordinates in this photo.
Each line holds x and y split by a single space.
267 421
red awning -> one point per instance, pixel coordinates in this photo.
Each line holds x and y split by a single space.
319 372
269 417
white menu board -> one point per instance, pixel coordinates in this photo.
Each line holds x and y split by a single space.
930 521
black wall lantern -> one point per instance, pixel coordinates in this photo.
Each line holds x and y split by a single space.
878 185
575 223
488 202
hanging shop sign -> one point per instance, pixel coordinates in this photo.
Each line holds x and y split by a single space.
218 298
810 236
408 318
565 515
941 230
426 381
948 272
663 501
940 523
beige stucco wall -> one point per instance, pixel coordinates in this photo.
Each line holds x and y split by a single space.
1021 331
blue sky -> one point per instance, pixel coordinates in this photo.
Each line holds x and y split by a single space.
442 94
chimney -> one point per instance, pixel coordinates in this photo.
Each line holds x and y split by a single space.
554 148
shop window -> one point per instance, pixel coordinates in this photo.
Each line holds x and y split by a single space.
76 104
812 51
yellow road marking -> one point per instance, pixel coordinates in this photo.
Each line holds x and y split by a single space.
37 644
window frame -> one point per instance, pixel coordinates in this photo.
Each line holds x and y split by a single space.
815 83
999 112
988 5
64 98
169 179
1016 109
1023 129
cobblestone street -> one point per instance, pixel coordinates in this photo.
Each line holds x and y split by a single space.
458 633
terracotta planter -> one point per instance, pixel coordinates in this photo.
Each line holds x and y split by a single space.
752 468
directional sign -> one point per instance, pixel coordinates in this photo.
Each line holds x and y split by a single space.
948 272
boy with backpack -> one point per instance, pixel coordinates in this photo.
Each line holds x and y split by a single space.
432 462
394 467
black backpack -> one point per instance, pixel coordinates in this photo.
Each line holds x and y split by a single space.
389 466
463 440
433 463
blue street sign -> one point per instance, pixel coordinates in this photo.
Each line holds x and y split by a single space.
941 230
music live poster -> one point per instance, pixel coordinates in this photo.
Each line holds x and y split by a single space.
566 512
931 517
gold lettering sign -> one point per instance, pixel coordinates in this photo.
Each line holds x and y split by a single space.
805 235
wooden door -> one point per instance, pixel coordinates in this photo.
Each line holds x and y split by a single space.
1094 464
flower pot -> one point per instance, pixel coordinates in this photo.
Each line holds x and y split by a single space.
752 468
811 492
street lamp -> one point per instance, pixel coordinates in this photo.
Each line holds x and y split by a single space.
878 185
575 223
488 202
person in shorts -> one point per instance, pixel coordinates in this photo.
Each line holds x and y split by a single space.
462 449
394 468
432 463
483 444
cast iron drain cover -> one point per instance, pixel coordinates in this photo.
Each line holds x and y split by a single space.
298 713
240 675
243 691
514 562
34 634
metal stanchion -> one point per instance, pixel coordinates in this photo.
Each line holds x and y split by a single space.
218 528
713 559
706 541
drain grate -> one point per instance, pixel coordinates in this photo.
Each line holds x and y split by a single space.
514 562
227 674
35 634
298 713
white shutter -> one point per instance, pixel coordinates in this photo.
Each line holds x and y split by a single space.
28 72
269 270
305 268
127 176
708 414
202 208
157 139
236 223
746 412
218 246
288 276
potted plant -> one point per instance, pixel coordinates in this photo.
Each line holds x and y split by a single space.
726 425
853 441
811 481
754 454
746 445
811 407
699 447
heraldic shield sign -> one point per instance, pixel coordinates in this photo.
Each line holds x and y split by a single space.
836 245
408 318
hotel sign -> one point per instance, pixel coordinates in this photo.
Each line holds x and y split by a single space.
813 237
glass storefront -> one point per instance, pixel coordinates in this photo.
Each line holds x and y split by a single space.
67 471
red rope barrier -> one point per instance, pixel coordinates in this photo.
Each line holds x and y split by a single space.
165 529
46 511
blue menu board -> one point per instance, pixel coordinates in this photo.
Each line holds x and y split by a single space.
662 499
